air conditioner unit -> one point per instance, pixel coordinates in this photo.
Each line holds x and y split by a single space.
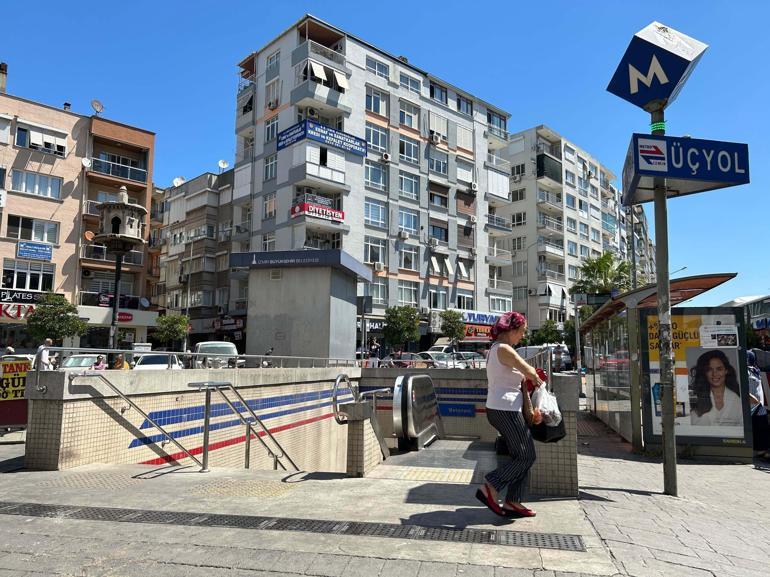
312 112
86 272
434 242
473 251
435 138
474 186
473 219
272 104
403 235
424 310
532 292
379 266
516 178
385 157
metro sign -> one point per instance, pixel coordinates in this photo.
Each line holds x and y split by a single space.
656 65
317 211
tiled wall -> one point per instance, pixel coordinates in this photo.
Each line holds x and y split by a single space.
364 452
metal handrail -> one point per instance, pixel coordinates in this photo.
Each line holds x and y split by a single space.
335 394
117 391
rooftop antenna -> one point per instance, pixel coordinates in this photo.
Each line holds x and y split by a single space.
223 164
97 106
178 181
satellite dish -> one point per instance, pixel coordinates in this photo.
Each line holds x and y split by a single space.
144 302
86 162
97 106
88 235
179 180
223 164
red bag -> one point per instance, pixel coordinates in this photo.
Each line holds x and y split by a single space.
543 377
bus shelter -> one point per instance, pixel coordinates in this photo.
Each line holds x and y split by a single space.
623 385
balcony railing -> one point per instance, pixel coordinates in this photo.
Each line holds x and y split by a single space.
328 53
550 274
500 253
549 198
551 247
498 162
549 223
245 154
119 170
99 252
245 82
608 205
94 299
610 228
497 131
501 285
554 150
499 222
92 208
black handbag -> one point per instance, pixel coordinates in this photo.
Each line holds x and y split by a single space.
548 434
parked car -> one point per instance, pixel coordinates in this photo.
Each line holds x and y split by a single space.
156 362
405 360
441 349
564 361
79 362
219 359
471 359
442 360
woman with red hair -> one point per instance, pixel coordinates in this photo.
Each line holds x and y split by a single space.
506 396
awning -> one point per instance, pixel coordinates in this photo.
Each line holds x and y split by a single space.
60 141
36 138
450 269
435 265
463 270
40 126
318 70
342 79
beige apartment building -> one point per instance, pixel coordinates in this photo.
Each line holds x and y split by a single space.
56 166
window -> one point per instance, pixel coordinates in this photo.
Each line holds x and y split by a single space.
408 220
570 200
223 262
2 178
34 183
375 213
464 269
518 243
464 138
518 194
584 251
438 92
376 101
519 219
271 164
408 257
268 205
438 125
569 153
439 197
375 175
595 253
272 94
438 161
583 230
438 232
408 149
465 300
248 105
379 68
464 106
497 121
571 224
594 191
583 208
465 171
519 169
411 84
378 290
376 137
222 297
572 272
437 297
268 242
273 60
408 293
596 236
24 228
596 212
408 185
582 186
571 248
5 130
271 129
499 304
519 268
28 275
409 115
375 250
42 140
569 178
519 293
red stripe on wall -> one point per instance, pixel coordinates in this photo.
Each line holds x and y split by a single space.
176 457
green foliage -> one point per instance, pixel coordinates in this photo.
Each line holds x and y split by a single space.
603 274
547 333
55 318
171 328
452 325
402 325
569 334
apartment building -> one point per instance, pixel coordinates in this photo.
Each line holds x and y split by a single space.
342 145
55 168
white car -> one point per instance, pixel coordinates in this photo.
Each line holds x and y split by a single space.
79 362
157 362
217 360
443 360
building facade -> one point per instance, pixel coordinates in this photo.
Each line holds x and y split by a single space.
56 166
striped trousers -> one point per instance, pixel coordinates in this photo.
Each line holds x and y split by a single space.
514 429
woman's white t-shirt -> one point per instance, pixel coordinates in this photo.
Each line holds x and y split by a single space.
730 414
503 392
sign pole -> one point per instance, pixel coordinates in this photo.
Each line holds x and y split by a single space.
578 363
664 321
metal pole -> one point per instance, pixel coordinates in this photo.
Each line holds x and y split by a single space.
664 324
633 245
247 460
206 420
116 301
578 364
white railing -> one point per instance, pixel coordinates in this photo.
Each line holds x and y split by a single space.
499 222
242 227
92 207
497 131
502 285
498 162
500 253
551 274
549 223
551 247
326 52
549 198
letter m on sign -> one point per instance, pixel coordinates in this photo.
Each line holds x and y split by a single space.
654 71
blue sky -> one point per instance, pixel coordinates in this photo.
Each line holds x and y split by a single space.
170 67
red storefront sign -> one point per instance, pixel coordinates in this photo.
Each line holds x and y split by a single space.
125 317
317 211
16 310
477 332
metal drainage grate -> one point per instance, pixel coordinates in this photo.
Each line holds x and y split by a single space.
391 530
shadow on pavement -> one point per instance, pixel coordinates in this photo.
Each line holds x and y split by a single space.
458 519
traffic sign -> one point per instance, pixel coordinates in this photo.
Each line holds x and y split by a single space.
656 65
689 165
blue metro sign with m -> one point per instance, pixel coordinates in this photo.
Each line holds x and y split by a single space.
656 65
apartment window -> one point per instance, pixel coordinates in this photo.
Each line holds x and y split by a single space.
519 219
379 68
596 236
411 84
572 272
271 129
595 253
409 115
438 161
465 300
273 60
248 105
28 275
408 220
519 268
34 183
439 198
583 230
2 178
569 153
408 185
376 101
437 297
594 192
571 224
583 208
571 248
24 228
271 164
272 93
223 262
375 175
465 171
438 92
519 169
518 194
500 304
497 121
569 178
596 212
268 205
464 106
378 290
464 269
42 141
519 293
408 257
518 242
584 251
375 250
438 125
592 168
268 242
570 200
408 149
408 293
582 186
375 213
376 137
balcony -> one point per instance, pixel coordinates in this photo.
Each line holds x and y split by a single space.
93 299
499 285
549 201
497 201
549 223
118 170
498 163
550 248
498 256
317 176
609 206
609 229
325 94
242 231
497 225
496 137
550 149
99 252
91 209
320 53
245 154
550 274
549 171
438 246
319 213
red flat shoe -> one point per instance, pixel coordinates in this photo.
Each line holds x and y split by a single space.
517 511
492 505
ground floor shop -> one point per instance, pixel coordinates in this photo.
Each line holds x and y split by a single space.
133 326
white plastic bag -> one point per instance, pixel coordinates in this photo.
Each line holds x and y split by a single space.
548 406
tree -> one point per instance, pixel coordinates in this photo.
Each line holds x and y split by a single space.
171 328
55 318
402 325
452 325
547 333
603 274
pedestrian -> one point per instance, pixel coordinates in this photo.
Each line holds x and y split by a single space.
507 396
99 365
43 355
374 349
120 363
10 351
759 424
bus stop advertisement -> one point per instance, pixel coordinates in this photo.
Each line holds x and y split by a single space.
13 405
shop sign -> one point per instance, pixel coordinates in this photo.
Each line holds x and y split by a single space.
25 297
228 323
34 250
104 299
480 318
313 130
125 317
16 310
371 325
478 332
14 379
317 211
